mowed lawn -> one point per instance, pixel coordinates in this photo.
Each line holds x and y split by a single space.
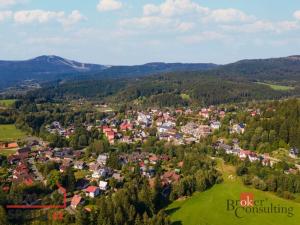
210 207
10 133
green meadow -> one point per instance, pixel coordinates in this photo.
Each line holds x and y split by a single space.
10 133
210 207
7 152
7 102
185 96
277 87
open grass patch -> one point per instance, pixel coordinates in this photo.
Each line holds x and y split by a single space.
185 97
10 133
277 87
79 174
7 152
210 207
7 102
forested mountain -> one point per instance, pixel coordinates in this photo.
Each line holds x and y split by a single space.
170 89
276 69
153 68
50 68
182 84
43 68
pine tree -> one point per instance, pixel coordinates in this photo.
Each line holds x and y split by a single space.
3 216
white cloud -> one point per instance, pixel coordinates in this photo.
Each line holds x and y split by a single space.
10 3
297 15
41 16
73 18
171 8
151 9
184 15
4 15
109 5
5 3
185 26
228 15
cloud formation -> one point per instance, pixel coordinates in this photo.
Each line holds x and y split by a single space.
4 15
109 5
171 8
42 16
184 15
6 3
297 15
228 16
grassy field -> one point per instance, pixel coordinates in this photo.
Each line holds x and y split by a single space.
277 87
185 96
81 174
7 102
8 152
10 133
210 207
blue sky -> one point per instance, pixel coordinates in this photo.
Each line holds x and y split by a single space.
115 32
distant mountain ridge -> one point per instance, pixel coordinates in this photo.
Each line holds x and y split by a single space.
45 65
42 68
51 67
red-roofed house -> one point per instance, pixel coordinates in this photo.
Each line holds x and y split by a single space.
76 200
126 126
92 191
169 177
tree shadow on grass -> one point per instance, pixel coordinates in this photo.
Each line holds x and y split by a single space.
177 223
171 211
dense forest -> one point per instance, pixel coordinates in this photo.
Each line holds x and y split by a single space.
163 90
277 126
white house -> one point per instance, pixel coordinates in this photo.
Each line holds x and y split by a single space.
79 165
100 173
102 158
215 125
103 185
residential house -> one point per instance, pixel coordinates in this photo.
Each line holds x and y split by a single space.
103 172
103 185
80 165
102 159
204 113
9 145
222 114
126 126
238 128
144 119
23 152
169 177
76 200
294 152
92 191
215 125
118 177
